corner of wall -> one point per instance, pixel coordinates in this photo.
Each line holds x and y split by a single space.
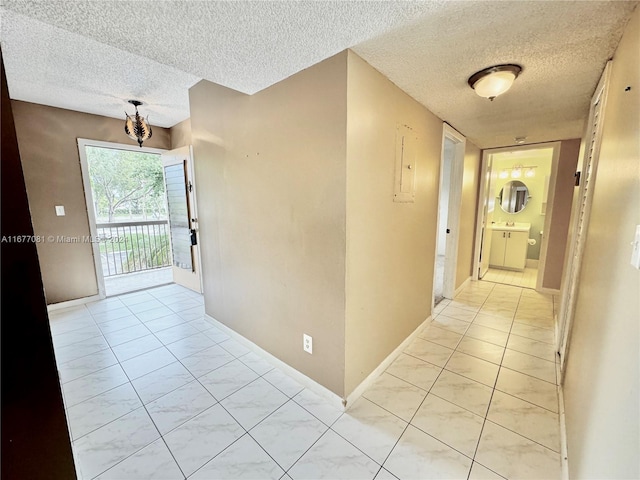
390 246
180 134
270 169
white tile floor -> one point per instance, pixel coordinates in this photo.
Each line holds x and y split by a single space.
155 391
130 282
526 278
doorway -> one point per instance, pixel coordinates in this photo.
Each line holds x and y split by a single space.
141 216
182 217
514 209
126 206
449 201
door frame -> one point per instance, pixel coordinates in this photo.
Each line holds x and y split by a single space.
192 200
88 196
453 216
575 249
486 172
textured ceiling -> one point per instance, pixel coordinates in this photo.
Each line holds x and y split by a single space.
562 47
54 67
93 55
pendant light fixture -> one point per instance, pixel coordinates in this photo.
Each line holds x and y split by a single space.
137 128
494 81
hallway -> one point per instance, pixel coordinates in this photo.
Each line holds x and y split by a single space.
154 390
526 278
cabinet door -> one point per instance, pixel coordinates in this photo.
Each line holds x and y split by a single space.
515 255
498 245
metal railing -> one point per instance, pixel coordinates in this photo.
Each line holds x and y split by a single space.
127 247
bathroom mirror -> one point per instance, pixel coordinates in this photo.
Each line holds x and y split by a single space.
513 196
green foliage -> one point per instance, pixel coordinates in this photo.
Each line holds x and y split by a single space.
126 181
144 251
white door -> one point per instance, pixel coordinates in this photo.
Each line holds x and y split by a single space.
183 217
488 205
453 148
498 247
580 215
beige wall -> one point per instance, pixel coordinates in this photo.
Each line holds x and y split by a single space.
181 134
601 386
561 213
468 212
300 233
47 138
270 177
390 246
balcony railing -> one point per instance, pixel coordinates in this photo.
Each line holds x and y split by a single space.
127 247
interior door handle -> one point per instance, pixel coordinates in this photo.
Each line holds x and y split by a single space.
448 230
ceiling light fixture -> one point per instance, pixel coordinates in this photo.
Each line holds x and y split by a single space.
494 81
137 128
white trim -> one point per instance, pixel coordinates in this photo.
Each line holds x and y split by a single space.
176 157
88 196
485 173
564 453
119 146
571 274
532 263
548 291
299 377
462 286
454 206
548 217
73 303
373 376
197 215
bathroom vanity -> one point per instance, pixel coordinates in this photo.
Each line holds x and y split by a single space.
509 245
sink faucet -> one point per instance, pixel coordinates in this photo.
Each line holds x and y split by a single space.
510 224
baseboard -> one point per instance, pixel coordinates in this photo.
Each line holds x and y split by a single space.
298 376
564 457
373 376
548 291
532 263
462 286
72 303
556 335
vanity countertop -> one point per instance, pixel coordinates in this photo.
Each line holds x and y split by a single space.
516 227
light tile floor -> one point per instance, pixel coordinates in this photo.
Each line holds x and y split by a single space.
154 391
130 282
527 278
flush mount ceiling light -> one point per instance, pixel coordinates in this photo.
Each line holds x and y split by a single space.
494 81
137 128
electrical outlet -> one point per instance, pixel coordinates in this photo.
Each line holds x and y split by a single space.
307 343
